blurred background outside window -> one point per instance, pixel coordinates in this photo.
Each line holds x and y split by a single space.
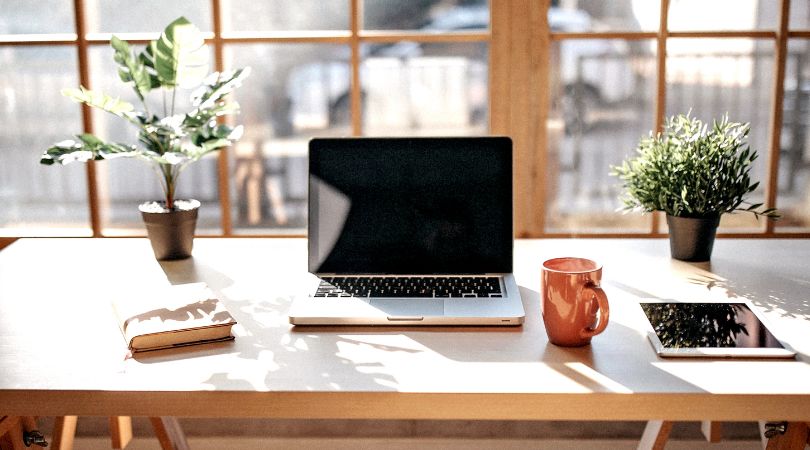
423 69
604 95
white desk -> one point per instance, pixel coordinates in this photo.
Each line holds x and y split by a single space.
62 354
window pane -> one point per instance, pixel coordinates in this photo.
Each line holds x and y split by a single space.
38 199
285 15
426 15
125 183
621 15
799 15
700 15
122 16
295 92
26 16
602 104
412 88
794 161
712 77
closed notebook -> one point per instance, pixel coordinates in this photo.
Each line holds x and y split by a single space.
173 316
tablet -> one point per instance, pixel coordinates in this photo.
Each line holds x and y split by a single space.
722 330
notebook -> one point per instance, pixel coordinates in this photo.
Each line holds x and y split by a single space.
410 231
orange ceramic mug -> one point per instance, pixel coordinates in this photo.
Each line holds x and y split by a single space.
572 300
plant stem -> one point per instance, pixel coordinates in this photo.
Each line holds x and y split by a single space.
168 176
174 95
145 108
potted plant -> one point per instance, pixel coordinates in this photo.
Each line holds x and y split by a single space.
694 173
170 141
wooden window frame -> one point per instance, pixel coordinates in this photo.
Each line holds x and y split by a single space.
520 38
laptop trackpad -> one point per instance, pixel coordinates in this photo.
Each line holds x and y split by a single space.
409 307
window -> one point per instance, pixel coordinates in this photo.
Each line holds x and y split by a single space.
320 68
616 72
575 83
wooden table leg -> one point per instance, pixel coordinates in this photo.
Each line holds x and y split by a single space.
169 433
795 437
64 431
12 431
14 436
6 423
120 431
713 431
656 435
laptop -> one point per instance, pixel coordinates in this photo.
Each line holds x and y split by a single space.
410 231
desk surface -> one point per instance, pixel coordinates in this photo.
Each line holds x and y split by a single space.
62 354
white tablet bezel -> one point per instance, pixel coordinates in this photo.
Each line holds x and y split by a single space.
786 352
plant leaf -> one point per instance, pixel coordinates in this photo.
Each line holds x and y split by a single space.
147 58
103 101
180 55
217 85
691 169
86 148
131 68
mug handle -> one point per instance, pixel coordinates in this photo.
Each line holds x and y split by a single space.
604 311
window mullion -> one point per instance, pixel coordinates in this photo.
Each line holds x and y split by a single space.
355 89
776 112
87 115
223 171
661 86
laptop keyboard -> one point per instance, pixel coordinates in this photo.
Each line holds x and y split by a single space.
428 287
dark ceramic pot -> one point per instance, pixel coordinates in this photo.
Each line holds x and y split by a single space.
171 232
692 238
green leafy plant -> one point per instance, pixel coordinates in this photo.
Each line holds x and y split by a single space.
692 170
169 142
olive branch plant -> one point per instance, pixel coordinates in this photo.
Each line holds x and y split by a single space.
692 169
169 142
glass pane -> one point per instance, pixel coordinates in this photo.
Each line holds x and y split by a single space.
603 97
711 77
295 92
125 183
38 199
794 161
799 15
620 15
121 16
285 15
412 88
426 15
25 16
700 15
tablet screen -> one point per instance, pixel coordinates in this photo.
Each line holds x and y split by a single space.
708 325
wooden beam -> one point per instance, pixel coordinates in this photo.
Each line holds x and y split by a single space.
774 150
120 431
169 434
656 435
223 169
519 101
355 97
87 114
64 433
795 437
712 430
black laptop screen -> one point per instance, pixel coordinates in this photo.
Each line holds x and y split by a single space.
410 205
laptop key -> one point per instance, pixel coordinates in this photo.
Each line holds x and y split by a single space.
423 287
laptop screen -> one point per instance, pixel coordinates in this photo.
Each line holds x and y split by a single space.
410 205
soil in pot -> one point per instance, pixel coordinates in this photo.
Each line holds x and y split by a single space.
170 231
